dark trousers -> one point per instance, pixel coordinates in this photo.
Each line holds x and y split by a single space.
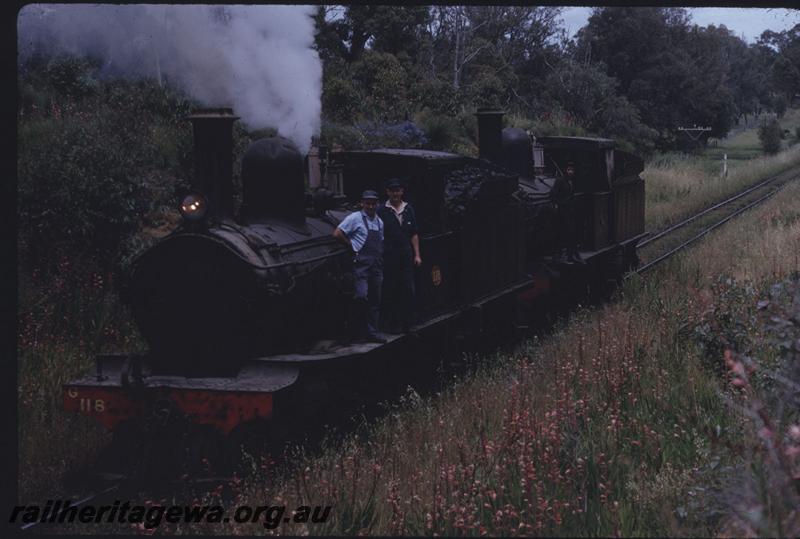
567 227
368 275
398 288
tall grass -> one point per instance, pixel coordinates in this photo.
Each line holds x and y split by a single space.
67 314
679 186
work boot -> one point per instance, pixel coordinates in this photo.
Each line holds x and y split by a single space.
392 328
576 257
376 339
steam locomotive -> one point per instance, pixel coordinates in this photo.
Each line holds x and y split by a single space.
244 314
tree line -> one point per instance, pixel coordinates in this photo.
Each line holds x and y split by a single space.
101 158
632 73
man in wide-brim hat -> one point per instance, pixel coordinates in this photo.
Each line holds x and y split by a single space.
362 232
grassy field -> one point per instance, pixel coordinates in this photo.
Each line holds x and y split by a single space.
743 144
681 184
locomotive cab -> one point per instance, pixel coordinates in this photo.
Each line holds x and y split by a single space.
471 228
609 194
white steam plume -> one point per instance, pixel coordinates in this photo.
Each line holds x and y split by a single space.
257 59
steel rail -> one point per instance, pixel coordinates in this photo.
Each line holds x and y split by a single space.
705 231
88 498
716 206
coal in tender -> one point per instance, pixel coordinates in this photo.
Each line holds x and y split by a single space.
465 185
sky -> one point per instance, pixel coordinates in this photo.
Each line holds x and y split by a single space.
747 22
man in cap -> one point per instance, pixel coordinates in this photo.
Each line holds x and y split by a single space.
400 256
362 232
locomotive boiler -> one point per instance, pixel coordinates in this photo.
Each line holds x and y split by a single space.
244 313
219 290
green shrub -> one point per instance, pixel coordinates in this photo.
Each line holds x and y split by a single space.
94 165
770 136
468 123
441 131
557 123
392 135
486 90
337 134
71 76
80 184
382 86
340 100
437 96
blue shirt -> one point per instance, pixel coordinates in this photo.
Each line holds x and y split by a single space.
353 228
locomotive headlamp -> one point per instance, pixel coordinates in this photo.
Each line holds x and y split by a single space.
194 207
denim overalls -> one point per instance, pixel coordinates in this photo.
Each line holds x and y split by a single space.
368 273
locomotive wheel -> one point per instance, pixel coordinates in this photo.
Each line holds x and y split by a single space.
124 450
601 288
204 448
607 279
257 438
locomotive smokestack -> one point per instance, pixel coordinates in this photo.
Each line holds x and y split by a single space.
490 140
213 159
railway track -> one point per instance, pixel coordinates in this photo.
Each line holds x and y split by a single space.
665 243
108 490
96 495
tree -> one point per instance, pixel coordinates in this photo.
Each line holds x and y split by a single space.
399 29
785 59
635 73
750 83
369 56
382 83
390 29
481 45
673 73
709 100
640 47
331 33
586 92
525 39
631 40
340 100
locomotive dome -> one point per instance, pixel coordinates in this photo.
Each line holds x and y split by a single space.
273 184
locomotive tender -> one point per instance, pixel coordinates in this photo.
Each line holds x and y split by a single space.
242 313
